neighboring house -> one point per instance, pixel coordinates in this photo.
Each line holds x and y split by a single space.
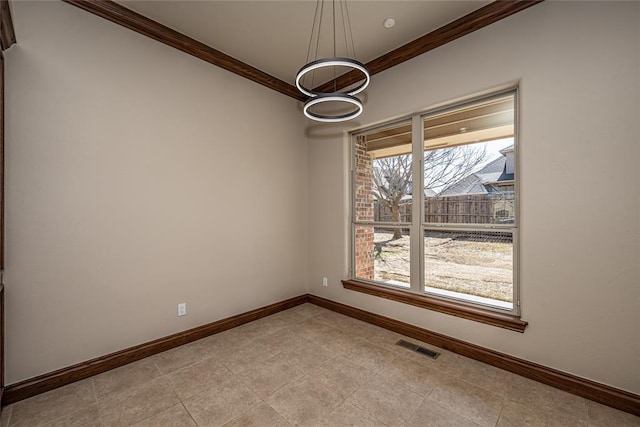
494 183
495 176
490 189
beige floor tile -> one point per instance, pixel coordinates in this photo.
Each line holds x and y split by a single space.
244 357
313 367
333 319
301 330
431 415
230 335
220 404
370 356
307 310
304 402
448 362
198 377
289 317
175 416
486 376
387 339
341 376
358 328
337 341
216 345
314 324
604 416
126 377
233 350
6 416
348 415
88 417
135 405
389 402
286 339
535 394
415 376
312 329
470 401
54 404
273 322
260 327
271 375
308 356
178 358
258 416
519 415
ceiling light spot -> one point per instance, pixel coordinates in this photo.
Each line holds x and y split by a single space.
389 22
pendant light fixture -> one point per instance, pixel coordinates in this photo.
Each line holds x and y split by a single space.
328 66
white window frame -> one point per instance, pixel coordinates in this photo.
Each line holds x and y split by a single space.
418 226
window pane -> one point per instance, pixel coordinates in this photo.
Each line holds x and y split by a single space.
383 255
476 266
496 207
468 185
383 175
469 164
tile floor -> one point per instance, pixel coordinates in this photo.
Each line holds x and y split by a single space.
308 366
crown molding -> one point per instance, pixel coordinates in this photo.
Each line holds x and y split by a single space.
493 12
7 33
127 18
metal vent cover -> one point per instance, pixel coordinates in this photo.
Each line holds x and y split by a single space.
422 350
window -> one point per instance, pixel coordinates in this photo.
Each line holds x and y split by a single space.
435 210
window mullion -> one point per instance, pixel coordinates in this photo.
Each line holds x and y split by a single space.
467 225
417 205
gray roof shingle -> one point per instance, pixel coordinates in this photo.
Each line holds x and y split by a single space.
478 182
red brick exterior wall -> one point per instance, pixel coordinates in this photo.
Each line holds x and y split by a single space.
364 246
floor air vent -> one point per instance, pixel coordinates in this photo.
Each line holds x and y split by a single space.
413 347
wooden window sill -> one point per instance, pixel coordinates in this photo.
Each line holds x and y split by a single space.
477 314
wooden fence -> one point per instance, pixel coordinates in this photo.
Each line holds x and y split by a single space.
492 208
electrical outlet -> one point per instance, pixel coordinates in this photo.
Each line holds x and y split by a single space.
182 309
325 282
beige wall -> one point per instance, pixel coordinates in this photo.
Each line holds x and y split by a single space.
138 177
134 173
578 67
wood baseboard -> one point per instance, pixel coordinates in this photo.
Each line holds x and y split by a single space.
588 389
49 381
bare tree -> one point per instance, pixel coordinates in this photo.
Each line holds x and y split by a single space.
442 168
391 182
445 167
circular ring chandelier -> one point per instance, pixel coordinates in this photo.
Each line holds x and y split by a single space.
333 62
332 97
318 96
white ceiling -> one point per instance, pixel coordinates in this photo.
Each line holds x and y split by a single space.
273 36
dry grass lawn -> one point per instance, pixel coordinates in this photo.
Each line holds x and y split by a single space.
453 263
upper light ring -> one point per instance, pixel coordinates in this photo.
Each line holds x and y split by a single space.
332 62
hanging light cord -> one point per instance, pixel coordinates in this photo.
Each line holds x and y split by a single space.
321 97
353 45
344 28
317 14
333 9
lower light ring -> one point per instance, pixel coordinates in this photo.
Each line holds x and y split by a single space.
332 97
